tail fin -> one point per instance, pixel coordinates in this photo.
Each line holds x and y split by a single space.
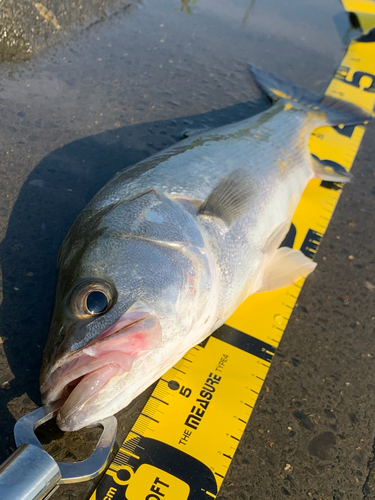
337 112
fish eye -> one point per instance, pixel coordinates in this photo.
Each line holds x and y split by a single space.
92 298
97 302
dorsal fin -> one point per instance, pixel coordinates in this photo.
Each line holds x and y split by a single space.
231 198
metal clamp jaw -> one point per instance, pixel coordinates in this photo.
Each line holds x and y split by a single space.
30 473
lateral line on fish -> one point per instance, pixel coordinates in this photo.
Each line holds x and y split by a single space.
188 448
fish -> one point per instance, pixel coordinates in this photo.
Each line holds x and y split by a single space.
169 248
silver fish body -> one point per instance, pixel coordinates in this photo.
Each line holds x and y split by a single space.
171 247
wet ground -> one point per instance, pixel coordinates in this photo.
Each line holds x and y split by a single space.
112 92
26 28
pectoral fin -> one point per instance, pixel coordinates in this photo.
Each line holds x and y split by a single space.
284 268
231 198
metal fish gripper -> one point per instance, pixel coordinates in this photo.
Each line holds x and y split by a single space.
30 473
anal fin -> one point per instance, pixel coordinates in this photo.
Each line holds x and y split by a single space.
330 171
284 268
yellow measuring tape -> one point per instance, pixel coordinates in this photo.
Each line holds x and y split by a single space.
182 443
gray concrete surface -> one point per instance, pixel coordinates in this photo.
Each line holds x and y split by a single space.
28 27
114 93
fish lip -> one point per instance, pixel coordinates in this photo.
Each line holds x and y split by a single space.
65 417
120 325
125 322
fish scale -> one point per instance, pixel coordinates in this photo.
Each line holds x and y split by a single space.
184 243
193 466
185 257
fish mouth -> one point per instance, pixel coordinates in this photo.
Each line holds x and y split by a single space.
78 378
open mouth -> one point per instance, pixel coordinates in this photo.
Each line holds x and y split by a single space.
80 376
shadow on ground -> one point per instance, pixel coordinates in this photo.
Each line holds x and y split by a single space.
53 195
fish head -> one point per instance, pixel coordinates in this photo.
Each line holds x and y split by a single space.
126 291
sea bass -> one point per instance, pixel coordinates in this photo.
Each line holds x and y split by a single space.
170 247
